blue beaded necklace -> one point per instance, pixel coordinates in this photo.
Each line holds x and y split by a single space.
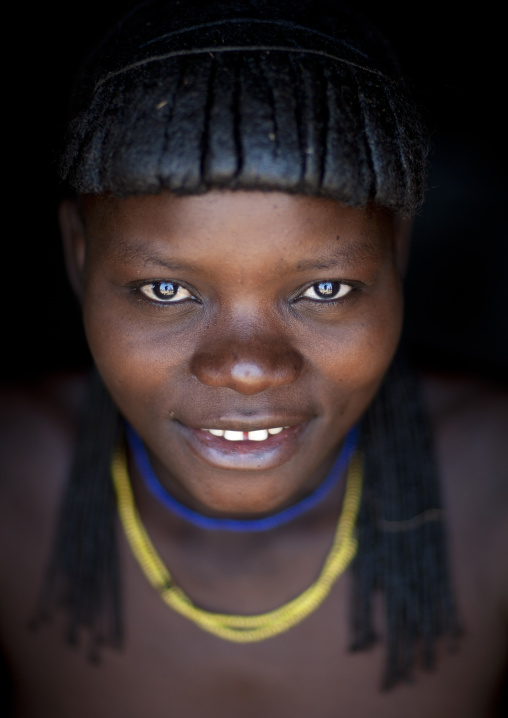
239 525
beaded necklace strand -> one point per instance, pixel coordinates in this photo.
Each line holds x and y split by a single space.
239 525
239 628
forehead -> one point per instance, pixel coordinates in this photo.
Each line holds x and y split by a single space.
220 222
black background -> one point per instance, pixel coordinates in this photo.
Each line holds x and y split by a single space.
458 277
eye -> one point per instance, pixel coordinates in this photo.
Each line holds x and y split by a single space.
323 291
165 292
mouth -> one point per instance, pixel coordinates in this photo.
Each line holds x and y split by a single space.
244 448
255 435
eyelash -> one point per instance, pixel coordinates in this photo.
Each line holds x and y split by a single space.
143 290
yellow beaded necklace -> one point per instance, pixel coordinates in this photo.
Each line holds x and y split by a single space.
238 628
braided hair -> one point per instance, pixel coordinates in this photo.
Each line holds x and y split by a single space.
302 97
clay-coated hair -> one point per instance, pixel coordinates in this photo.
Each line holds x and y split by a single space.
302 97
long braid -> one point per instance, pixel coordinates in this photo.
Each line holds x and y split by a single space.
83 576
401 531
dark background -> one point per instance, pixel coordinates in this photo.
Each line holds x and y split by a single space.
457 287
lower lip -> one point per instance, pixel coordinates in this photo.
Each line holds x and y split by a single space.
248 455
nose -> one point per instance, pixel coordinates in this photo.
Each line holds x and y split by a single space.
247 365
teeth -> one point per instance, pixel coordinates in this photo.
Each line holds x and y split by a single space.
233 435
257 435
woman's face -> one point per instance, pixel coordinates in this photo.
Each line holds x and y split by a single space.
239 312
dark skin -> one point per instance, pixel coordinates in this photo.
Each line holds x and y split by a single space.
250 345
246 340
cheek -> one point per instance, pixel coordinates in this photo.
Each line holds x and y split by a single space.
377 336
138 361
351 357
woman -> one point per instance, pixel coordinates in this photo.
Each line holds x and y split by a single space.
244 177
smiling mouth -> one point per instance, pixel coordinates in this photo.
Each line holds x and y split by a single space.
256 435
246 447
248 441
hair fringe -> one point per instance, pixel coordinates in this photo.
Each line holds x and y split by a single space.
250 103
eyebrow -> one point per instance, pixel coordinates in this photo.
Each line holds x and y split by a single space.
128 252
347 255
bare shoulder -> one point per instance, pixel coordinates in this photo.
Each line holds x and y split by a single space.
38 423
470 421
466 398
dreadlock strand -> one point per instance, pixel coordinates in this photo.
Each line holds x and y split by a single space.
402 547
84 570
